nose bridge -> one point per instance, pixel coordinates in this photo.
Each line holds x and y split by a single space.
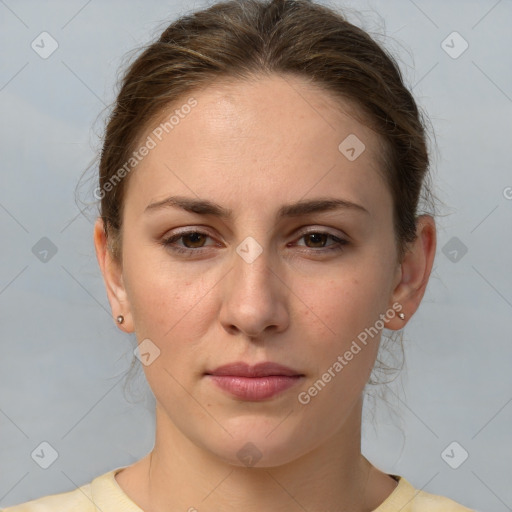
252 274
251 299
253 252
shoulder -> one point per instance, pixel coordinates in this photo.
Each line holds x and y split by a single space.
79 500
407 498
101 493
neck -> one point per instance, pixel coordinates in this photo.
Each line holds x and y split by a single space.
180 475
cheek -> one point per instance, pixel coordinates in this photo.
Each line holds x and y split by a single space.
348 311
344 350
163 297
174 312
351 303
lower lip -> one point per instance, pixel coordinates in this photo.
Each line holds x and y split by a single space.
255 388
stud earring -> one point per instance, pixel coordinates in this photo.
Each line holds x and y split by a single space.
401 316
120 319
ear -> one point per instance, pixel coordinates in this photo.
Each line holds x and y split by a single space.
113 278
414 272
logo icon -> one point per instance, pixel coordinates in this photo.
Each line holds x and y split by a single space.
454 45
44 455
351 147
249 249
44 45
454 455
146 352
249 454
44 250
454 249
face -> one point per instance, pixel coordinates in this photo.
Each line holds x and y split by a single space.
251 279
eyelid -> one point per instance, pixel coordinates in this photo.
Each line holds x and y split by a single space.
339 242
300 232
323 229
177 235
203 230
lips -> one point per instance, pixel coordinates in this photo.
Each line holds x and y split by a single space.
240 369
254 383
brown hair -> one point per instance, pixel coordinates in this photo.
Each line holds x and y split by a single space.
244 39
240 39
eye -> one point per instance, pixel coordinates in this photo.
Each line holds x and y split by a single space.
194 242
319 238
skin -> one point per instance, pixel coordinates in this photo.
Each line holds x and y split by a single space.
253 147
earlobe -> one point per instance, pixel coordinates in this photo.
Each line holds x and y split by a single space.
113 278
414 271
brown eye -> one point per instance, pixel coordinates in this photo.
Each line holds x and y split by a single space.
317 239
316 243
196 240
191 242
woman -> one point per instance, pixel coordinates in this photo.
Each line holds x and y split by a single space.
259 183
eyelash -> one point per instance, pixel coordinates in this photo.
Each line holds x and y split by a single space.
167 243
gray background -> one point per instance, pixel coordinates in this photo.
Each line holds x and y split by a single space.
63 360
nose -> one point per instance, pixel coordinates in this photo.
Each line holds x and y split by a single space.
254 298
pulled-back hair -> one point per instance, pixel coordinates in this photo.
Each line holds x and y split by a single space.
243 39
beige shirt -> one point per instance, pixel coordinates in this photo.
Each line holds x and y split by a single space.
104 494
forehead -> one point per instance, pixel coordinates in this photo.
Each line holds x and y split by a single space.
246 138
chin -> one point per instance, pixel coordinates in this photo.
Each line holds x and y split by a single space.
256 442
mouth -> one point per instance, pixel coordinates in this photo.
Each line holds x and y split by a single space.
267 369
254 383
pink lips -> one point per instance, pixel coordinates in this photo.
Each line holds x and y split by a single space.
258 382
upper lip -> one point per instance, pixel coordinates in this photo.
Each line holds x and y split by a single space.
241 369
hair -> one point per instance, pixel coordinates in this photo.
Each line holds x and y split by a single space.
246 39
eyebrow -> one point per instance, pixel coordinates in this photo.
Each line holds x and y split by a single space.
205 207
